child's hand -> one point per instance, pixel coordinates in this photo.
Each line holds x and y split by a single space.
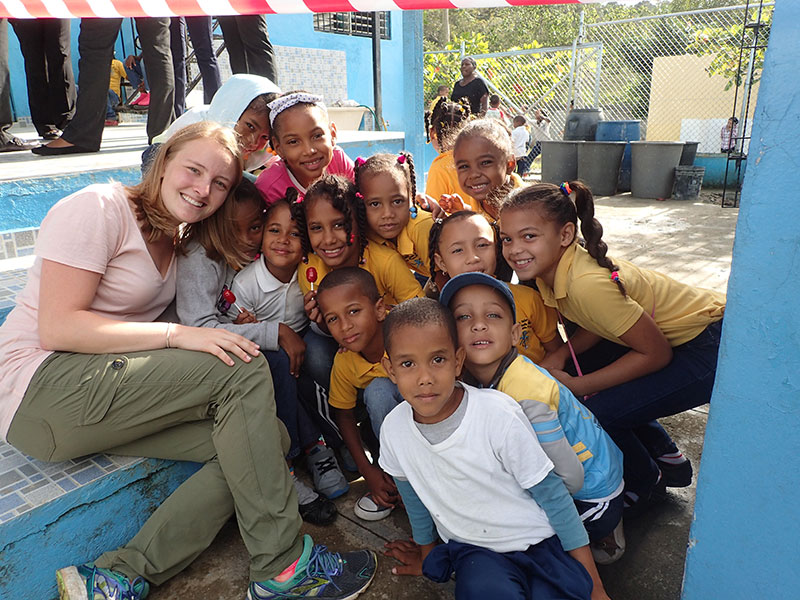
381 486
425 202
453 203
294 346
312 308
244 317
409 553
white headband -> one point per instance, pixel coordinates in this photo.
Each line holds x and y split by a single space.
279 105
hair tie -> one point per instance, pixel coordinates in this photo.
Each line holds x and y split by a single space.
359 196
352 239
438 221
565 189
360 162
614 276
281 103
413 211
401 158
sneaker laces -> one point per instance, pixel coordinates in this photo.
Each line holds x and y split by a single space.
114 589
324 465
325 563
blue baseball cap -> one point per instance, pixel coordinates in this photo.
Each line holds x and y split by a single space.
466 279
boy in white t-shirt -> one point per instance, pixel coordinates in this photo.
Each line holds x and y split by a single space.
469 467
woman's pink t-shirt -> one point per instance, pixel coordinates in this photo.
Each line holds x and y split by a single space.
93 229
274 182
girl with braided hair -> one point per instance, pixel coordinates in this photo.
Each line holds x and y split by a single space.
333 224
387 186
659 337
442 125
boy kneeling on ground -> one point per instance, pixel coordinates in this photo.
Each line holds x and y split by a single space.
467 463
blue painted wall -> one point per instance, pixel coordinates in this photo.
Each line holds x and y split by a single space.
288 30
744 541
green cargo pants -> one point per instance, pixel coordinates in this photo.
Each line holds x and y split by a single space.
174 404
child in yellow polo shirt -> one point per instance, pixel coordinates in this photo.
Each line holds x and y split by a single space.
387 186
353 310
660 336
333 225
465 242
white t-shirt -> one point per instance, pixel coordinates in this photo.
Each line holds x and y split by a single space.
93 229
260 292
474 483
541 131
519 138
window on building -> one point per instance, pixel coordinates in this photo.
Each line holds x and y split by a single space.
352 23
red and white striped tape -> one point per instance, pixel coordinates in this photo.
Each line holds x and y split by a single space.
65 9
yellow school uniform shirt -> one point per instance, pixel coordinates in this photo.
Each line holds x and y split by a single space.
117 73
395 282
412 242
442 179
584 293
537 321
351 372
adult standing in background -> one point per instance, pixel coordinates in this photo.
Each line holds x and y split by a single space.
45 46
201 36
8 141
248 45
471 87
96 47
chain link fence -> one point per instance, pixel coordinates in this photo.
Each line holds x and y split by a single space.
675 73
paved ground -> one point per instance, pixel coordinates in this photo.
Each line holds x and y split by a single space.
692 242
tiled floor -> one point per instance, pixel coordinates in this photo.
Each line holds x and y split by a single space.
26 483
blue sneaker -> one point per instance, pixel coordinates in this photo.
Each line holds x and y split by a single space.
87 582
321 574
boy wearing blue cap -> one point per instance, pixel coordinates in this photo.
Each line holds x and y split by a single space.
584 455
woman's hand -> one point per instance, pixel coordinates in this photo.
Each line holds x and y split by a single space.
381 486
294 346
218 342
407 552
245 316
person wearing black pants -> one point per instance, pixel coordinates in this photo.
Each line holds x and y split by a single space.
249 48
8 141
45 46
96 46
201 35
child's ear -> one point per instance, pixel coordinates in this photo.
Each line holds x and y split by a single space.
387 366
516 333
380 309
437 259
511 164
567 234
333 133
461 355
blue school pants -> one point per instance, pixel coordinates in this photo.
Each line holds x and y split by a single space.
302 430
628 412
543 571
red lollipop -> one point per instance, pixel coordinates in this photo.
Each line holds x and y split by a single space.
311 276
230 298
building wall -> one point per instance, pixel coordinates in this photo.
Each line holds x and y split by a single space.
743 544
686 104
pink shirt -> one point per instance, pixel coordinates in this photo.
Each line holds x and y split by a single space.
274 182
93 229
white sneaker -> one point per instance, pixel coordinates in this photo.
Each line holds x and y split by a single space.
367 509
610 549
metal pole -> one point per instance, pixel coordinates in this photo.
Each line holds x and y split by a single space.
376 70
570 93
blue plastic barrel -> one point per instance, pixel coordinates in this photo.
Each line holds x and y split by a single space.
621 131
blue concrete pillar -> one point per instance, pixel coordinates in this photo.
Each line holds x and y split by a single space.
413 98
745 538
